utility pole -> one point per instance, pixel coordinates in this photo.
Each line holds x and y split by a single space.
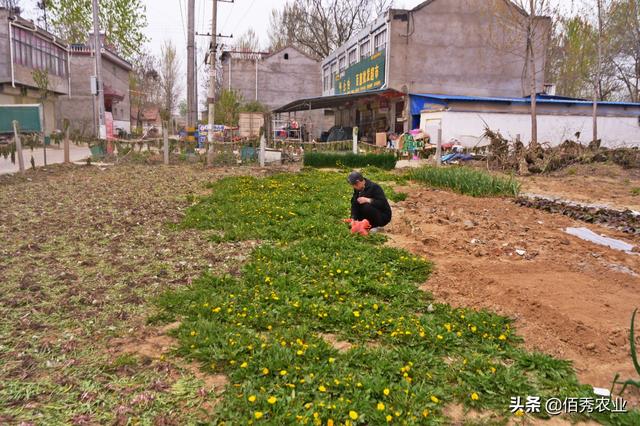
102 130
190 61
211 98
196 115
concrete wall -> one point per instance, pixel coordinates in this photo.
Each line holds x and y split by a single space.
462 47
468 127
10 95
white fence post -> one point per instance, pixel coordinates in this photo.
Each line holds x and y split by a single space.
165 135
355 140
263 149
439 148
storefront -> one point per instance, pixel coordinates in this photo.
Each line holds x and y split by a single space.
377 111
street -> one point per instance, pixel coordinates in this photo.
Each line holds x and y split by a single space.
55 155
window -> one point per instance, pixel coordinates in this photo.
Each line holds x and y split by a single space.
342 65
364 49
334 71
33 52
380 41
325 79
286 56
353 56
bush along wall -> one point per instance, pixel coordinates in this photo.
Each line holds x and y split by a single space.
350 160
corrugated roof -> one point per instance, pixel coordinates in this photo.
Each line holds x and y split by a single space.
542 99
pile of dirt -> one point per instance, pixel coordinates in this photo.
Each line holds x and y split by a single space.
506 155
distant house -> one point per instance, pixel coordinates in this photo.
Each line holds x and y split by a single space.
274 79
80 106
149 118
25 48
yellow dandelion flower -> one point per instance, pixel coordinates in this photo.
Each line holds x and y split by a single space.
265 371
321 388
435 399
386 391
519 413
389 417
380 406
439 337
356 314
244 365
330 422
502 337
474 396
272 400
252 398
332 360
474 328
353 415
283 372
258 415
425 413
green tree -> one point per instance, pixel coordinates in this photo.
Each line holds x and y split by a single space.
123 22
572 57
228 108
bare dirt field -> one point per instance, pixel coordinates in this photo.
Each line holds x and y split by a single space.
85 249
570 298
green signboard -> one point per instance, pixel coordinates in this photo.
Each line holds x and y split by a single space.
29 118
368 74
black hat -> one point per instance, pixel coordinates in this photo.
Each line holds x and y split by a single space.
355 177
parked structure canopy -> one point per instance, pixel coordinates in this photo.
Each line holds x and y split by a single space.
323 102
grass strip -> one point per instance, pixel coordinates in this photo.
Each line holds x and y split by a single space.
466 180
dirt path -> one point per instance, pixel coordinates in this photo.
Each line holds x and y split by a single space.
570 298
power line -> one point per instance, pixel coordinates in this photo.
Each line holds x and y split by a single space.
245 14
184 31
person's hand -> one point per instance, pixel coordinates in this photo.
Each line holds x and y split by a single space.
364 200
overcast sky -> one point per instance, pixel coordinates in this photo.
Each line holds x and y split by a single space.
167 20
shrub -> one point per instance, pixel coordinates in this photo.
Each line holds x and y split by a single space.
467 181
349 160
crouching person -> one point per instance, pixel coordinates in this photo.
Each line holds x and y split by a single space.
368 202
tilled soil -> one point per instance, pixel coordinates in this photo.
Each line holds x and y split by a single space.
569 298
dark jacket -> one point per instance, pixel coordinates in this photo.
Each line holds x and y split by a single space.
374 191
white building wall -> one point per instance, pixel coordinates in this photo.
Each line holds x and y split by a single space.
468 127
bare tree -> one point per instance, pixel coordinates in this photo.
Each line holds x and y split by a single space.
144 84
248 43
169 69
320 26
523 28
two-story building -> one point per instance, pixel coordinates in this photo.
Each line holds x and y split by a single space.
274 79
25 48
454 47
80 106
